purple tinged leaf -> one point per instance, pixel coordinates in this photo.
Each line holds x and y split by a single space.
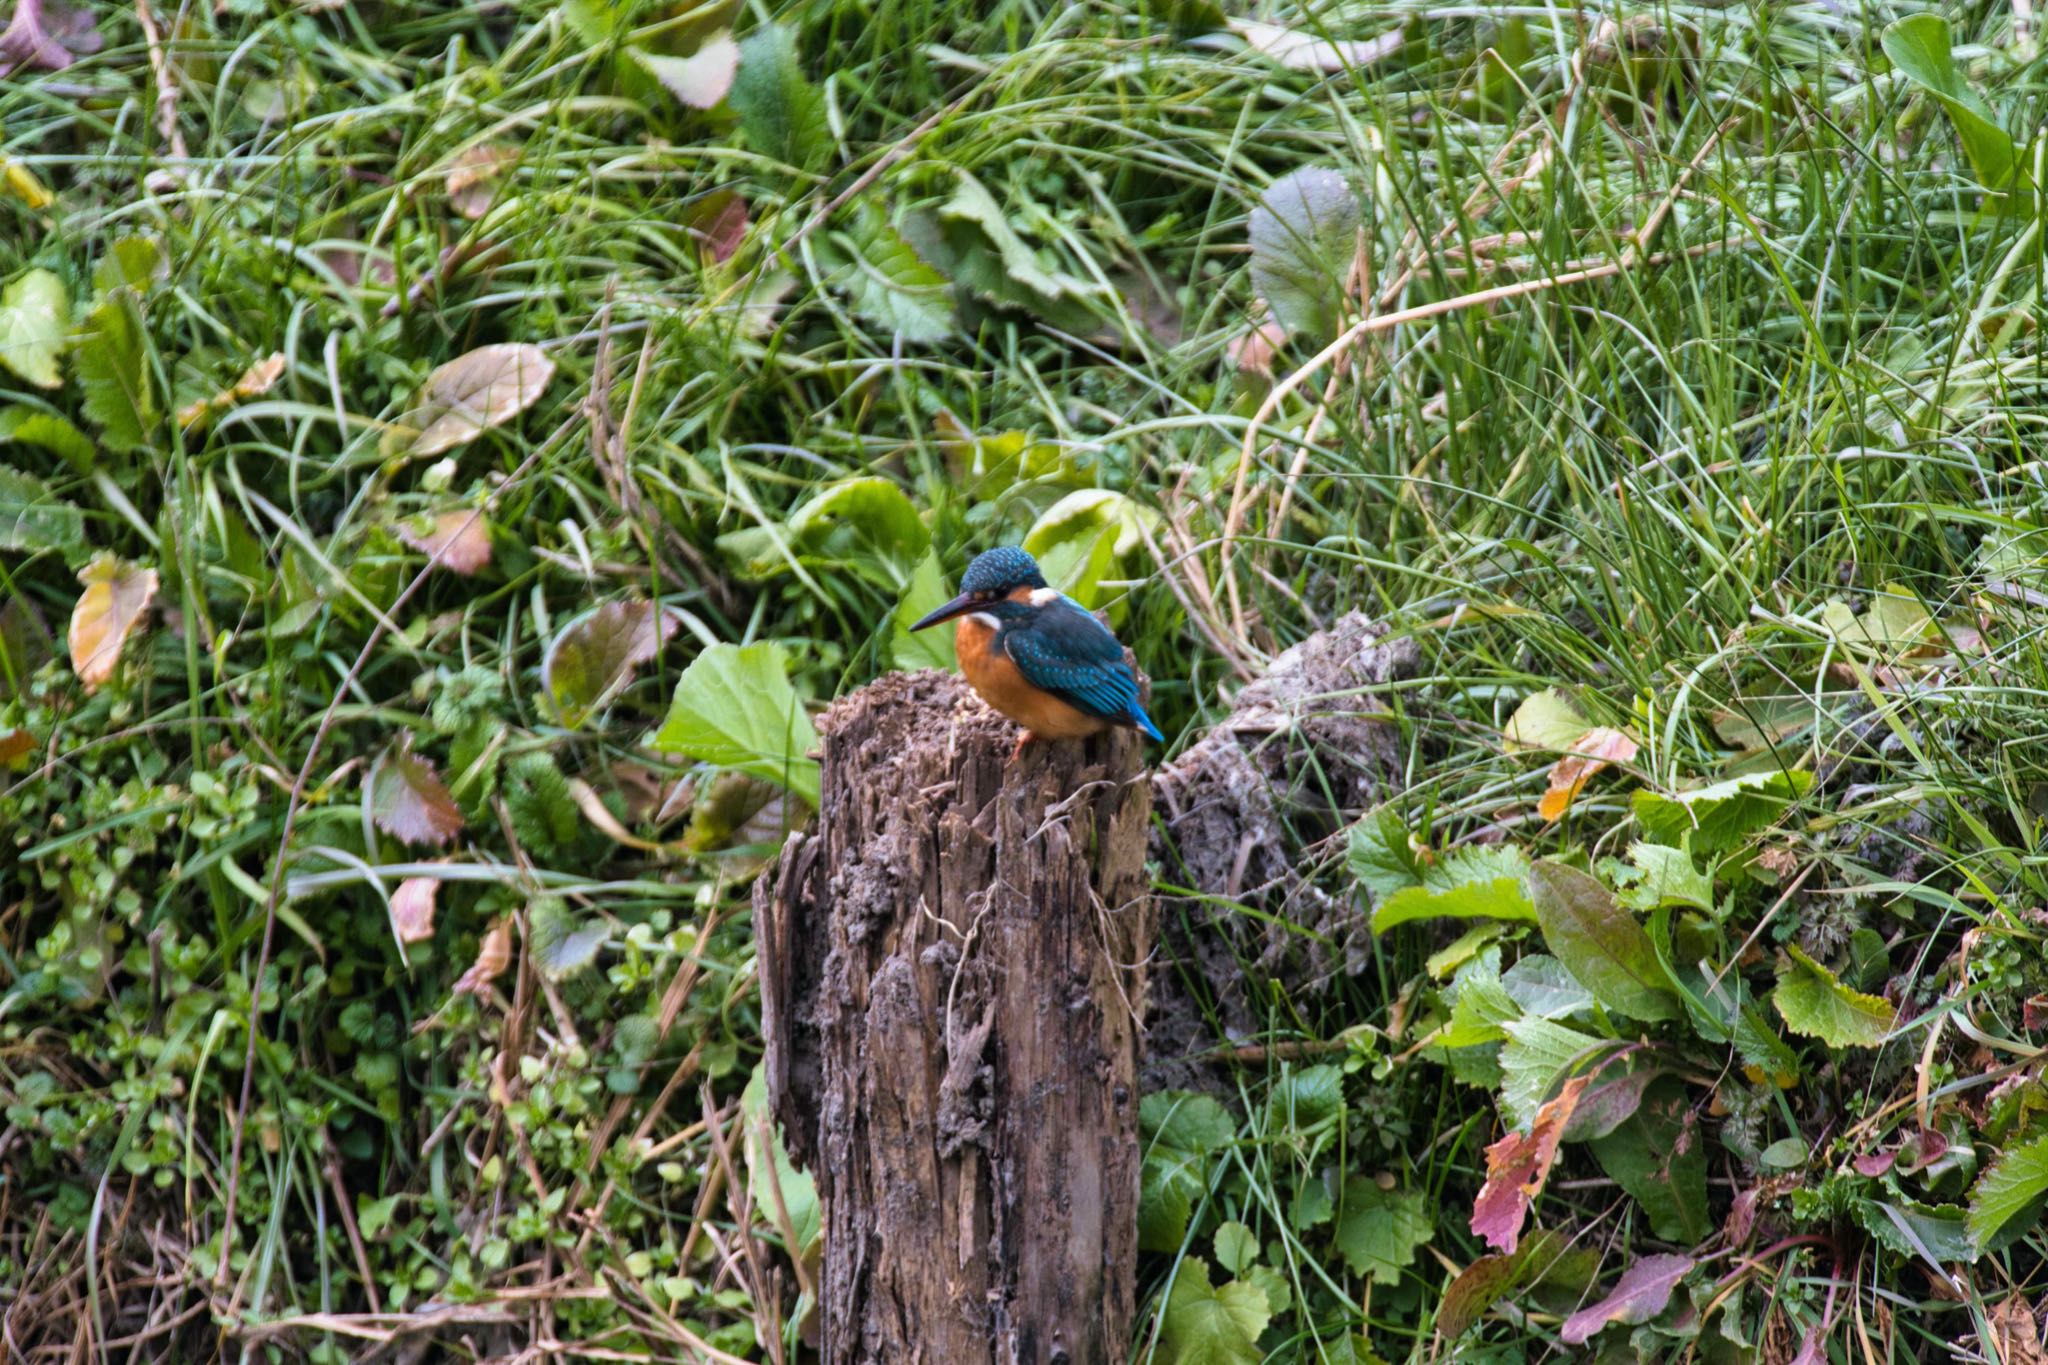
1641 1294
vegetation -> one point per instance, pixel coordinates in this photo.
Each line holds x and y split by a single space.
446 449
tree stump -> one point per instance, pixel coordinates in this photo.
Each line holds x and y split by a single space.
952 974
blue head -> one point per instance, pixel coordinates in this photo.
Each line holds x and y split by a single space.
993 575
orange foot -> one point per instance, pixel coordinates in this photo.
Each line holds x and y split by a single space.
1022 739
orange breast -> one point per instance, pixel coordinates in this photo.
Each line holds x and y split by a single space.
994 675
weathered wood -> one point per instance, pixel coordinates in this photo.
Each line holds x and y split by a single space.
953 975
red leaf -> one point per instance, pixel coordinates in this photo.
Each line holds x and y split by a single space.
719 225
408 801
493 956
1517 1166
2034 1013
1643 1291
1874 1164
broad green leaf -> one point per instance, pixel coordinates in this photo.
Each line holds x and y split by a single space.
1205 1325
1545 720
1472 883
1658 1157
782 115
2012 1189
1918 46
112 368
1383 857
1817 1005
485 388
888 283
930 648
561 946
1181 1121
1542 986
48 431
35 324
1937 1233
1304 237
1378 1231
865 524
734 708
132 262
1180 1132
1481 1007
973 204
1721 816
34 518
596 654
1659 874
1237 1247
1304 1099
1079 539
1600 943
1537 1054
797 1190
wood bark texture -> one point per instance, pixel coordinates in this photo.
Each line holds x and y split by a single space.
952 968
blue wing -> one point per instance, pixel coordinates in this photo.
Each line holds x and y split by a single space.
1063 649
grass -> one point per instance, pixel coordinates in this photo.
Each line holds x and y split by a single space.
1809 400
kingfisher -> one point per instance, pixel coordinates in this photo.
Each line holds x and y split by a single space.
1037 655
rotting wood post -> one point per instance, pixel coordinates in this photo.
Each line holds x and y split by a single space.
952 973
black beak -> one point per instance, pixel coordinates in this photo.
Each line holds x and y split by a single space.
959 606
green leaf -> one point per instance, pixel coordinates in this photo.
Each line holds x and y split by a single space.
1658 1157
1480 1007
1203 1325
47 431
1721 816
1304 237
1472 883
1817 1005
734 708
562 947
2012 1189
1379 1230
34 518
1537 1054
133 262
112 370
1938 1233
1919 47
798 1190
931 648
1237 1247
1546 720
1383 858
782 115
1600 943
1169 1183
888 282
973 204
1893 623
1181 1121
1542 986
867 525
1304 1099
1662 875
1079 540
35 323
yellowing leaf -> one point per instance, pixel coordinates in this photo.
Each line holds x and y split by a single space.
412 909
596 654
469 395
1894 624
1545 720
1517 1167
17 180
408 801
115 598
258 379
35 323
461 539
1590 753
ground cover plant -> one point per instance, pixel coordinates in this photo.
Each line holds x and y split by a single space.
447 451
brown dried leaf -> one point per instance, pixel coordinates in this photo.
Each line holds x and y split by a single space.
412 909
15 744
1516 1168
408 800
1590 753
493 956
469 395
461 539
115 598
2017 1332
258 379
472 175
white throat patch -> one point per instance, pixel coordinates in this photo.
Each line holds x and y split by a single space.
1044 597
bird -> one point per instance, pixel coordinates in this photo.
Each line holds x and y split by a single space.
1037 655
